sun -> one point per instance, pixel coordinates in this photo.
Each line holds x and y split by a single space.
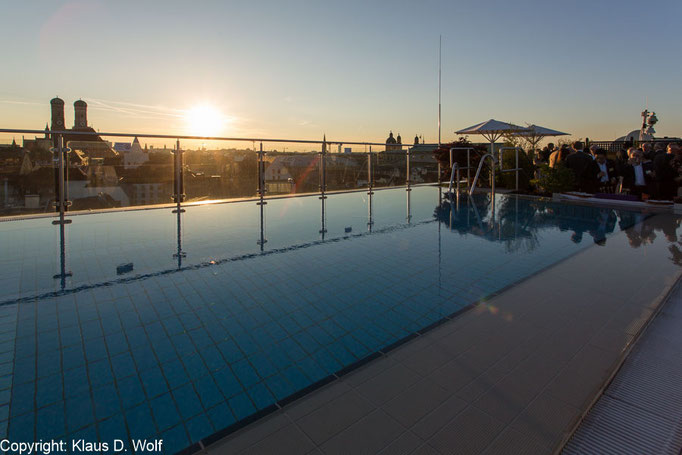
205 120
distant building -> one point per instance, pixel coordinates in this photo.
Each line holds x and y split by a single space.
133 154
394 143
92 145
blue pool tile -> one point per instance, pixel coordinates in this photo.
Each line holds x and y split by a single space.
262 365
123 365
227 382
85 434
111 325
136 337
293 350
48 342
165 413
144 357
22 398
95 349
312 370
79 413
91 329
245 373
113 428
50 422
21 428
221 416
199 427
25 348
212 357
49 390
175 374
116 343
241 406
245 342
100 373
73 356
71 336
175 439
296 377
183 344
4 412
200 338
24 370
341 354
326 361
140 422
194 365
106 401
48 364
153 381
208 392
164 350
131 392
279 387
187 401
261 396
230 351
76 382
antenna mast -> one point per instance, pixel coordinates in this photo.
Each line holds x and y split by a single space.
440 45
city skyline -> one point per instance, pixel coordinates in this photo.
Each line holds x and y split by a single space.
352 72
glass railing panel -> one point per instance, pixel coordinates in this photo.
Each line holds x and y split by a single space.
389 167
346 171
291 173
423 165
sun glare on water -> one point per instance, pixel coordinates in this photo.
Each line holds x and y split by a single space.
205 120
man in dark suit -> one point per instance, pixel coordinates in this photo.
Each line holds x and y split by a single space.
606 177
665 174
637 175
584 168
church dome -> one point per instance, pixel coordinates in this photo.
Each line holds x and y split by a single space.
80 103
57 100
391 139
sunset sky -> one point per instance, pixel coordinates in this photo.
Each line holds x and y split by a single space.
350 70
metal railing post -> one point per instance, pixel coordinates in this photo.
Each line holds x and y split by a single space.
261 176
370 176
323 170
178 178
407 169
517 169
60 197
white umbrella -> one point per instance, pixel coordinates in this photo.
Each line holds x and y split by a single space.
535 134
493 130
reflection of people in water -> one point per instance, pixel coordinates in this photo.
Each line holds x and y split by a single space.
644 228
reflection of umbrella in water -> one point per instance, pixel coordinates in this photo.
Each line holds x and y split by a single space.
535 134
493 130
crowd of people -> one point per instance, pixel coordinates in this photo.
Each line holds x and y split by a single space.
651 171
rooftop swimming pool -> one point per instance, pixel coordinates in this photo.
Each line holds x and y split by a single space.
185 326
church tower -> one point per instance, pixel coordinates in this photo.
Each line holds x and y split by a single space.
57 105
80 108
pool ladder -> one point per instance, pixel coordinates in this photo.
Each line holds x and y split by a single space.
456 169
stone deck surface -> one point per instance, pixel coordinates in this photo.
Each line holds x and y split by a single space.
512 375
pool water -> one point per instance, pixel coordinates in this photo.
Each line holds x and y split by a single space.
151 324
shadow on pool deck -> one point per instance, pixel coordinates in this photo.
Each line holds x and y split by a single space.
512 375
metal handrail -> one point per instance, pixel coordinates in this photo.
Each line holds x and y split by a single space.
452 176
478 172
203 138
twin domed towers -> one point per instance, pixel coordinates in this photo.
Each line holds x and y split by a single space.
80 119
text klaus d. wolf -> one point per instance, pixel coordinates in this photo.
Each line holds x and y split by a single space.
78 445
